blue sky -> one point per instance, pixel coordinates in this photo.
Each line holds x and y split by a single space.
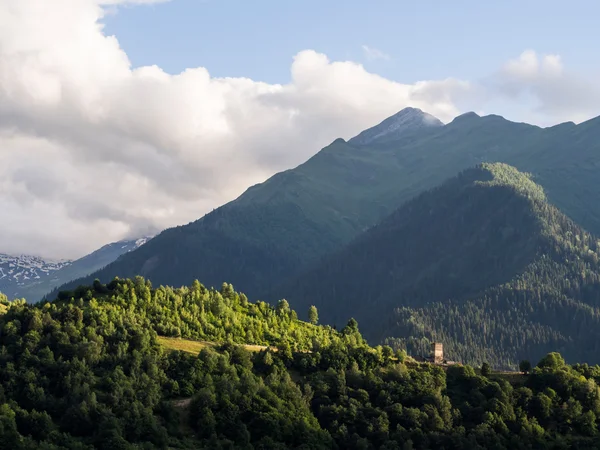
424 40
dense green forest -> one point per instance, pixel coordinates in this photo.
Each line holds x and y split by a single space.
275 230
482 263
87 371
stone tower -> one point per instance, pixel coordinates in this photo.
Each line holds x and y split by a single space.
437 352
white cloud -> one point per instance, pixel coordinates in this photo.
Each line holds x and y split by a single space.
372 53
559 94
92 150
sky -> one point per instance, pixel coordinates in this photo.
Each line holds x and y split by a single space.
119 118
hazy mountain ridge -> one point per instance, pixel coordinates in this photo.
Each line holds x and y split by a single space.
31 277
18 271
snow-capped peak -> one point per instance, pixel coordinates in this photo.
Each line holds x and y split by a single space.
32 277
130 245
141 241
395 126
20 270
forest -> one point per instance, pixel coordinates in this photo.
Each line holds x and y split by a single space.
483 263
88 370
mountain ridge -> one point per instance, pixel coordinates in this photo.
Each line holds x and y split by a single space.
484 247
45 275
278 228
17 271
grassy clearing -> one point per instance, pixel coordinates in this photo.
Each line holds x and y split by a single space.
258 348
185 345
194 347
514 378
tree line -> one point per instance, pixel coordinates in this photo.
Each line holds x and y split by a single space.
87 371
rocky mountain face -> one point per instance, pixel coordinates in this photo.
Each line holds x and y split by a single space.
19 271
400 124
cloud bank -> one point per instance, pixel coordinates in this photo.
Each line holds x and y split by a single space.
93 150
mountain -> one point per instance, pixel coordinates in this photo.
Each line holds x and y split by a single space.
482 263
16 272
32 278
400 124
280 227
274 228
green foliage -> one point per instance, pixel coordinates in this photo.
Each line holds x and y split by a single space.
525 366
509 177
87 371
210 315
552 361
486 370
3 303
313 314
233 403
482 263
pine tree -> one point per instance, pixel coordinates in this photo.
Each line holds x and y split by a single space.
486 370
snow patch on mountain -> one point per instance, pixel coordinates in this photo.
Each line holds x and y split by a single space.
32 277
18 270
409 119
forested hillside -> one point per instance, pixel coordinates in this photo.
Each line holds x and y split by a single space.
88 371
273 229
277 229
482 263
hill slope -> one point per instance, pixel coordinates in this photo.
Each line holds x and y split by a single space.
483 263
278 228
97 372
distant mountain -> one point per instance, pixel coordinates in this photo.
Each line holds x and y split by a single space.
16 272
280 227
391 129
32 278
274 228
483 264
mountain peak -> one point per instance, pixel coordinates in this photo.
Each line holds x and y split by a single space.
395 126
466 117
19 271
